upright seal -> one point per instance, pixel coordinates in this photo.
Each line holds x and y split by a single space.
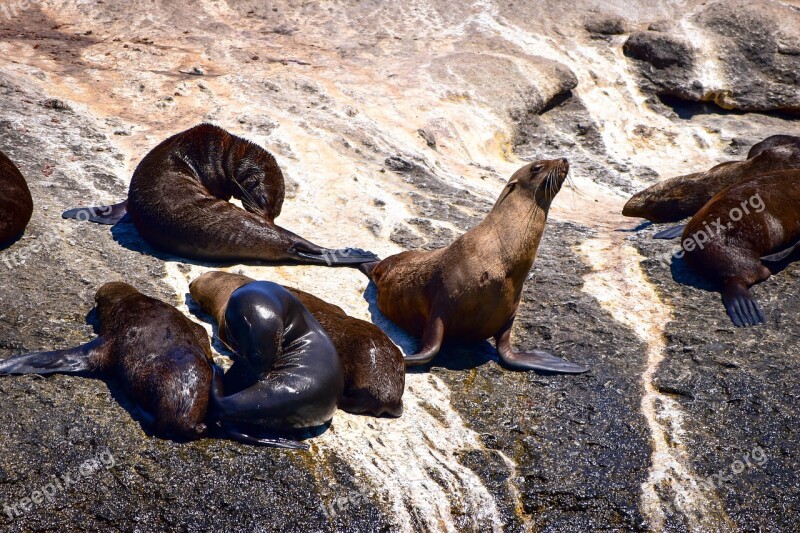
471 289
730 239
374 374
16 204
178 201
286 374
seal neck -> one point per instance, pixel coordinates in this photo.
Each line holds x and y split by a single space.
517 221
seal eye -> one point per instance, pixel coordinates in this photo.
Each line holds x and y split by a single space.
537 169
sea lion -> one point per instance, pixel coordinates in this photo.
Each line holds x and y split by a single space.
374 373
16 204
680 197
161 359
747 224
178 201
286 374
471 289
772 142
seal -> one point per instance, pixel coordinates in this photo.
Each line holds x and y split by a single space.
374 373
178 201
772 142
753 222
16 204
286 374
172 386
161 359
471 289
680 197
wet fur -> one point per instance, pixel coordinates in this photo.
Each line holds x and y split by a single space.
161 359
374 373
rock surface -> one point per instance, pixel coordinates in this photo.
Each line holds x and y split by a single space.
396 126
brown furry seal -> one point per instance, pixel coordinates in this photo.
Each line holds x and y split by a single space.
16 204
374 374
471 289
683 196
729 239
161 359
178 201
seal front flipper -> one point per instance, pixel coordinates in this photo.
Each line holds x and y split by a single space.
741 307
105 214
533 360
84 358
670 233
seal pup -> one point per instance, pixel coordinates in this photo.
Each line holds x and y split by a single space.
753 222
286 374
374 373
16 204
161 359
178 201
680 197
471 289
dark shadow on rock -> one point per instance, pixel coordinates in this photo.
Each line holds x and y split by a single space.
644 225
688 109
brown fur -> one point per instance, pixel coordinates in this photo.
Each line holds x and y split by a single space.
732 256
373 366
16 204
471 289
680 197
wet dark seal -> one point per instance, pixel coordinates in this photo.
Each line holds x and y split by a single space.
161 359
681 197
741 231
178 201
374 373
286 374
16 204
471 289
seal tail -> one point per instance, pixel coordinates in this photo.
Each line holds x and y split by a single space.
76 360
104 214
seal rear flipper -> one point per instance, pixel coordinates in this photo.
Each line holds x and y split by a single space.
105 214
741 307
272 442
670 233
81 359
783 254
542 361
344 256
